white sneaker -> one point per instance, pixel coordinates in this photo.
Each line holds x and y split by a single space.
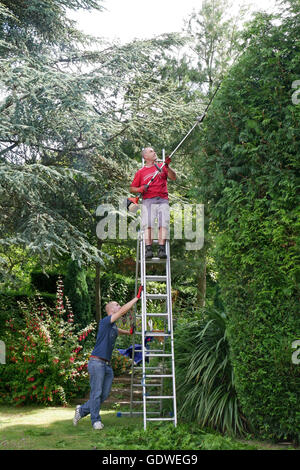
98 425
77 416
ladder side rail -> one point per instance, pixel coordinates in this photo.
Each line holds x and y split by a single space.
134 323
144 319
170 319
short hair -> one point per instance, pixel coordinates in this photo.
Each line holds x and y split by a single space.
107 306
144 150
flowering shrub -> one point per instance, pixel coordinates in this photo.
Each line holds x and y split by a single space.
120 364
46 359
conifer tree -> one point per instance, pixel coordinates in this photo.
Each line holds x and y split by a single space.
73 113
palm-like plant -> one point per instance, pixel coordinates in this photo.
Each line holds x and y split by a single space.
204 375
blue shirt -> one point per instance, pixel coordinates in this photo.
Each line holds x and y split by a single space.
106 338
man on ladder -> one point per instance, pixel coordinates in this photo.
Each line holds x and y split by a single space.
155 199
151 182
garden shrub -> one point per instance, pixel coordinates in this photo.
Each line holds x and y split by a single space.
116 287
120 364
204 374
46 358
76 289
44 282
248 180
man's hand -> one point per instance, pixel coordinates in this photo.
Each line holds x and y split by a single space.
142 189
167 161
140 292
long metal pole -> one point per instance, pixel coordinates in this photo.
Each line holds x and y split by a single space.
199 119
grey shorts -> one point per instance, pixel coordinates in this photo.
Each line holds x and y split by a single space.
155 208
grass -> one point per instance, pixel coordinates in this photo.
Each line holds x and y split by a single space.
45 428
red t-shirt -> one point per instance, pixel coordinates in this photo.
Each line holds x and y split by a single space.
158 187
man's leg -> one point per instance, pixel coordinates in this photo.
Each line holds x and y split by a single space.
97 377
163 223
147 226
108 380
162 235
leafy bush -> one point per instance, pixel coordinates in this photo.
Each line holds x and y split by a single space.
204 375
76 289
46 359
44 282
120 364
116 287
248 180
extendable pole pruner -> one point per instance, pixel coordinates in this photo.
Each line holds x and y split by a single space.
133 201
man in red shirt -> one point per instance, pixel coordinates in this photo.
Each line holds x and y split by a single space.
155 199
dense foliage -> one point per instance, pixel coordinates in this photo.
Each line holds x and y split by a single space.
75 113
204 374
46 356
247 172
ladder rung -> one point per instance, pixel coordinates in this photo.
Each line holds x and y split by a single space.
139 412
158 398
156 314
156 333
152 385
156 278
156 260
153 350
159 355
141 402
158 376
153 333
156 296
160 419
147 385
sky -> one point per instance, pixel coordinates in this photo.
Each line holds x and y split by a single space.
126 20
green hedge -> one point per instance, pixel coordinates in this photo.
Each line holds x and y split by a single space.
250 154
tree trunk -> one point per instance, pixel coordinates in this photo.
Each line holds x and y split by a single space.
98 286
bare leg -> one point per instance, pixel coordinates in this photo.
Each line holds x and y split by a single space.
162 235
148 236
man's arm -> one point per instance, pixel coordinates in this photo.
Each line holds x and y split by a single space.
139 189
171 174
123 310
123 332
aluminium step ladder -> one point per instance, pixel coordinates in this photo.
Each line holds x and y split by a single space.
155 381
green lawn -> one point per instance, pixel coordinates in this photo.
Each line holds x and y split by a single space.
45 428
